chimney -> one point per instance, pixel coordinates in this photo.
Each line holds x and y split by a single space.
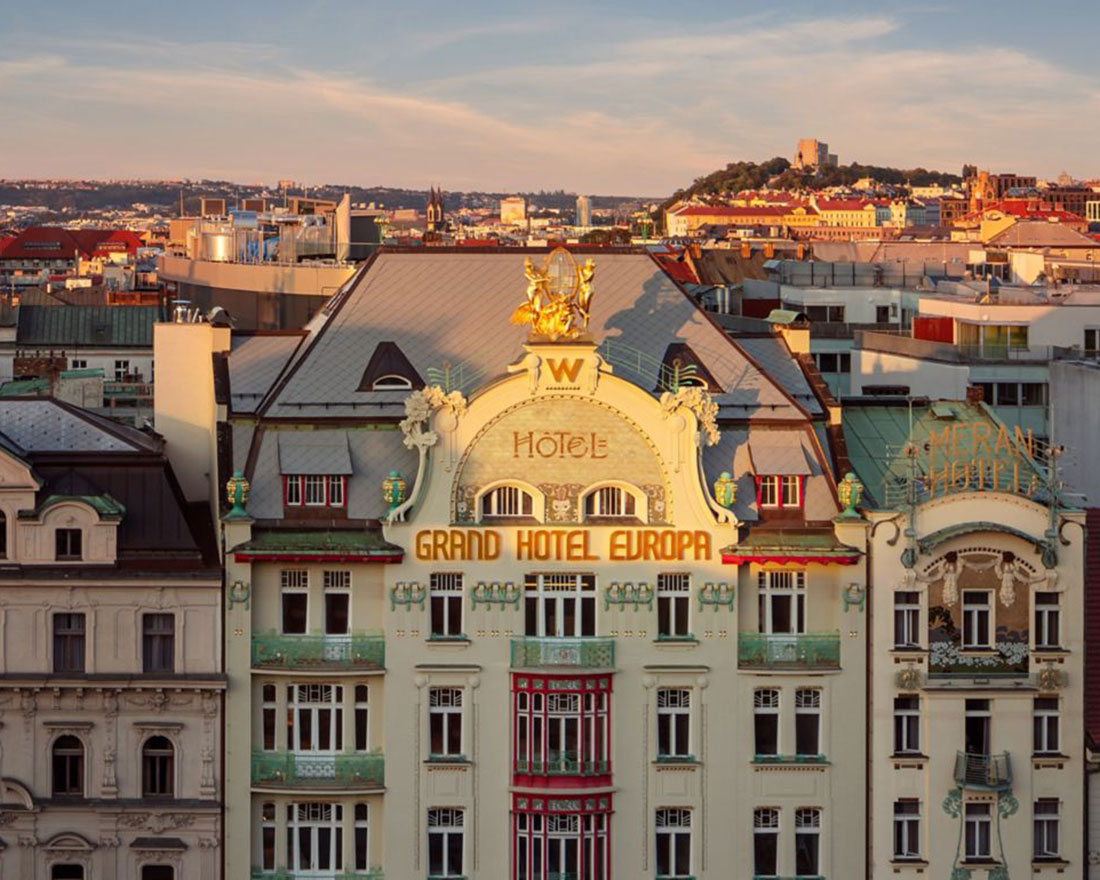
975 394
746 250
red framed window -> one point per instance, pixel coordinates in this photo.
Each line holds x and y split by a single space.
779 491
561 725
561 837
315 490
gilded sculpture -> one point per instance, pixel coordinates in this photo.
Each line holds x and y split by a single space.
559 296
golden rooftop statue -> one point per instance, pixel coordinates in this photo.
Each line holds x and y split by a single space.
558 296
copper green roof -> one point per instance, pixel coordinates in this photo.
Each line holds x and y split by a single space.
23 387
818 543
352 543
106 506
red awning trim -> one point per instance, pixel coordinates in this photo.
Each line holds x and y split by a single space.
317 557
784 559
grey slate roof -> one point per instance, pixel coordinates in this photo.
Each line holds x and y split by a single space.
44 425
452 308
65 326
254 364
776 359
314 452
778 453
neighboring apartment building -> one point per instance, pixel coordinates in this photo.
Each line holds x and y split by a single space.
522 622
110 662
977 756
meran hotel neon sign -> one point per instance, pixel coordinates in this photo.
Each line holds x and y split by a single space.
979 456
563 545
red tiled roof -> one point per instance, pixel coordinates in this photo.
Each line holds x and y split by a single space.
56 243
843 204
725 211
675 269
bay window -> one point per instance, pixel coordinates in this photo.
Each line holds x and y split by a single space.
561 730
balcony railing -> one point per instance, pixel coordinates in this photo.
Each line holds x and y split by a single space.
261 874
310 770
993 772
788 650
278 651
789 759
562 764
590 652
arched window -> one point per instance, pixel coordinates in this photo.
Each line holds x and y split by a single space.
68 767
507 501
391 382
158 758
609 501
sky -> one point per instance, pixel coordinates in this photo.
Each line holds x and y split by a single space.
619 97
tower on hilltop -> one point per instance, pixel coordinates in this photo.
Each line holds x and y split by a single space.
435 210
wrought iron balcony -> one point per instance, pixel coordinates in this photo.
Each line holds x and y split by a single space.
280 874
562 764
789 759
988 772
591 652
788 650
272 650
309 770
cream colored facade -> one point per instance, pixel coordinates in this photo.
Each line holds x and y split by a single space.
976 748
624 795
86 712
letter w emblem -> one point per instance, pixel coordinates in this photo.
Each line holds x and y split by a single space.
567 369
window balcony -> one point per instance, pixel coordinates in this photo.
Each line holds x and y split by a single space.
261 874
272 650
788 650
983 772
310 770
818 760
590 652
562 764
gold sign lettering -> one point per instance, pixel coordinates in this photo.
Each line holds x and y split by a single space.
562 368
990 462
558 444
563 545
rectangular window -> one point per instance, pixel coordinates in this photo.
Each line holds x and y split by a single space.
782 601
122 370
68 643
978 833
159 643
1008 393
769 491
293 491
882 314
791 491
976 619
807 841
1092 341
445 843
765 842
845 363
313 490
446 604
315 837
267 837
362 853
158 872
315 720
906 619
907 829
807 722
445 722
295 596
673 605
673 843
1045 723
78 364
766 722
269 712
1033 393
362 717
673 723
336 491
906 725
560 605
826 362
68 544
1048 620
337 586
1047 839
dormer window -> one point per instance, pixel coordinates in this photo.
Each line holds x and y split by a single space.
507 501
314 490
779 492
69 544
391 382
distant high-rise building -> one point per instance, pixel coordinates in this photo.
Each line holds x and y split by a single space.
513 210
812 153
584 211
435 210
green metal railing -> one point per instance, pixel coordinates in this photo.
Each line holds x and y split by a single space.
591 652
310 770
788 650
278 651
788 877
562 764
789 759
992 772
280 874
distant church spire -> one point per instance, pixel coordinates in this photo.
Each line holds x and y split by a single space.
435 209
